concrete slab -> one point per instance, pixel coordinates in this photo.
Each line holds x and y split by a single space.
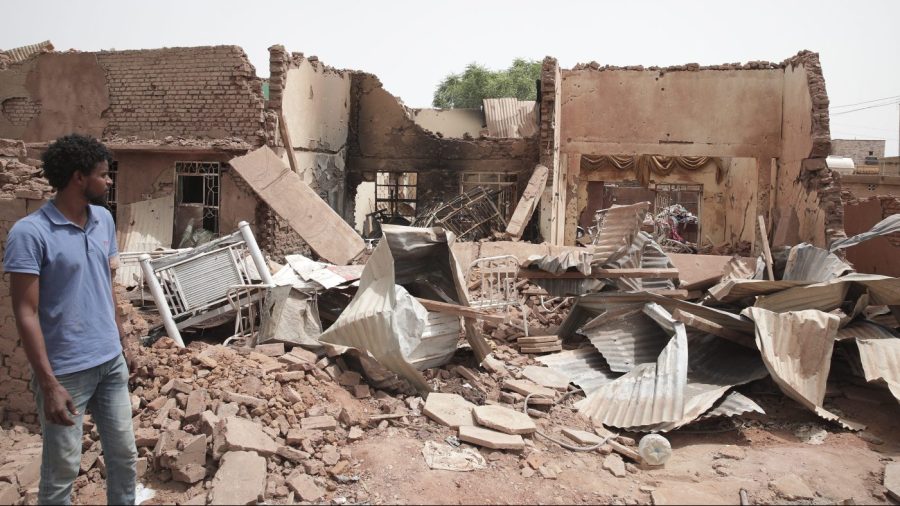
546 377
241 434
615 465
241 479
491 438
504 419
449 409
526 387
892 480
582 437
304 486
319 423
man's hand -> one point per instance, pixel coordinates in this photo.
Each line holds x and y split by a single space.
58 404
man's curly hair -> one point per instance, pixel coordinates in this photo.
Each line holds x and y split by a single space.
70 153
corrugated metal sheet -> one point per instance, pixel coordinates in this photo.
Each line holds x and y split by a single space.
557 264
24 52
714 367
438 342
733 404
796 347
822 296
737 268
631 339
591 305
618 230
569 287
864 329
881 361
650 394
510 117
886 226
585 366
737 289
643 252
808 263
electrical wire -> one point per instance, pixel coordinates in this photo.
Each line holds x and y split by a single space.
564 444
864 108
866 102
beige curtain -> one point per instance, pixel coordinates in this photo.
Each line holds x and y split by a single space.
643 165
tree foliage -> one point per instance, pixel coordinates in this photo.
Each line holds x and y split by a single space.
467 90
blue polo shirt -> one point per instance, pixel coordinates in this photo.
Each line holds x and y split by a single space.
76 308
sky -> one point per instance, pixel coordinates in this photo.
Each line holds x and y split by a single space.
412 45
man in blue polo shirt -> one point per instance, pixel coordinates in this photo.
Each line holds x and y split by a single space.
58 259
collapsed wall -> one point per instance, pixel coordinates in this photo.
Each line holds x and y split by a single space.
383 137
878 255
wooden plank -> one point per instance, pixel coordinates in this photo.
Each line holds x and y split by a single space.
541 349
286 138
464 311
528 203
714 328
294 201
602 273
767 253
537 339
143 226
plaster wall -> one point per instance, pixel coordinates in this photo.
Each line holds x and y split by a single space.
863 186
734 113
796 214
316 107
450 123
727 208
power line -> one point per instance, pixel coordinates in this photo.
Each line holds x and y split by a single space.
864 108
866 102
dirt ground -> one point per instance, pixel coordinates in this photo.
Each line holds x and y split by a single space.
708 466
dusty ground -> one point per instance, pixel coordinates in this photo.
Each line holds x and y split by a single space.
707 468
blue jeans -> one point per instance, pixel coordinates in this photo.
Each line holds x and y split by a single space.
103 390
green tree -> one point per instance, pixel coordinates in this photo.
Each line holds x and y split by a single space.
468 89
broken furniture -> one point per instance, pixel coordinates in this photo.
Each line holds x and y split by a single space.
195 286
496 278
470 216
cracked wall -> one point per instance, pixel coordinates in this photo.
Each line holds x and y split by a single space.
314 101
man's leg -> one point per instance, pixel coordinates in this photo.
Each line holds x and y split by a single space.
61 453
110 408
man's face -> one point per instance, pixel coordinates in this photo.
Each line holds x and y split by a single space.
97 184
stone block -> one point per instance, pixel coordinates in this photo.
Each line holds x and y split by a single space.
241 479
504 419
449 409
305 487
319 423
244 435
490 438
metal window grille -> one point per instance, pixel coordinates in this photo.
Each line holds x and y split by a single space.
112 199
395 194
506 185
198 185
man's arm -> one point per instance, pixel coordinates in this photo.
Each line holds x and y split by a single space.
129 359
24 290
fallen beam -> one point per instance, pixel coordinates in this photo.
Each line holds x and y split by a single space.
464 311
601 273
528 203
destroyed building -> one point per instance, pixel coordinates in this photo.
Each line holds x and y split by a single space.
483 339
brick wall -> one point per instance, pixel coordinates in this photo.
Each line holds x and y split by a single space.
858 150
21 193
20 110
191 92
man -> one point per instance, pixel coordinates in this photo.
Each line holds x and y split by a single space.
59 260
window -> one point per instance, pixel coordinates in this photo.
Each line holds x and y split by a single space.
506 184
198 193
112 193
395 196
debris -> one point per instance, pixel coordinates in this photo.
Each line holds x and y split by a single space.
318 423
546 377
244 435
490 438
654 449
439 456
811 434
449 409
615 465
582 437
504 419
892 479
470 216
526 387
241 478
304 486
790 487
